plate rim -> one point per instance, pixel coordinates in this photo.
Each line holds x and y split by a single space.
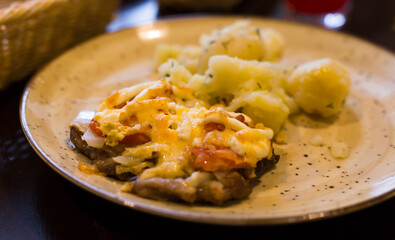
182 214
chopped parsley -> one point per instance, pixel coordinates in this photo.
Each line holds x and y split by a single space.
258 32
226 43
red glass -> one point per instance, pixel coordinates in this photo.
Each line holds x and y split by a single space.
316 6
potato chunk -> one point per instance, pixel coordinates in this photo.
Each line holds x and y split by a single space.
250 87
319 87
243 41
227 77
164 52
262 107
186 55
174 72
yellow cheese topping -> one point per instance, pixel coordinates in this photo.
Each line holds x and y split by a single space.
175 123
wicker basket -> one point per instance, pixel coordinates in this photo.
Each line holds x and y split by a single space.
32 32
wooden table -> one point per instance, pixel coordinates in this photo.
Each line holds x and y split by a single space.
37 203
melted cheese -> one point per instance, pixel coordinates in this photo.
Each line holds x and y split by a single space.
174 121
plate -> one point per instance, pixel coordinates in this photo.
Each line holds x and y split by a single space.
306 184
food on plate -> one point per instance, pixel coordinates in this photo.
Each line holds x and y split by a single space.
317 140
319 87
249 87
187 56
226 65
262 106
169 145
204 131
243 41
339 149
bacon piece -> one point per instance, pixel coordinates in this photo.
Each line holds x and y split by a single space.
214 126
135 139
94 126
242 119
131 121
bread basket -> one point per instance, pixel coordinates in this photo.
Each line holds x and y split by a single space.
32 32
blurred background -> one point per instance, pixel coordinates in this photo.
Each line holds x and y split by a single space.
375 22
33 32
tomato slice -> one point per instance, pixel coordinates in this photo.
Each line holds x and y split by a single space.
218 160
135 139
94 126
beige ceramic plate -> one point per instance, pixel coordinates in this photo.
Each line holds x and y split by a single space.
306 184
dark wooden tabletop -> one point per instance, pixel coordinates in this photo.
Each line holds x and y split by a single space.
38 203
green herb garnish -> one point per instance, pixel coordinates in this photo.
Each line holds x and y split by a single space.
239 110
258 32
226 43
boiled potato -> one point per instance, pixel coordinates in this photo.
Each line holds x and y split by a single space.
262 107
247 86
164 52
274 44
187 55
287 100
228 77
319 87
243 41
197 84
175 73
